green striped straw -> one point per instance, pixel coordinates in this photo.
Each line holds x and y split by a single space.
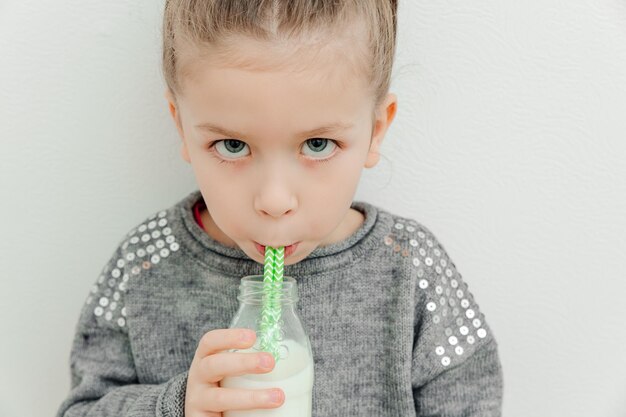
271 311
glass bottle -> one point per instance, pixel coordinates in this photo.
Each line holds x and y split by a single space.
293 372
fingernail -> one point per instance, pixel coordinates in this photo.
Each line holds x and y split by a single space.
266 361
275 396
246 336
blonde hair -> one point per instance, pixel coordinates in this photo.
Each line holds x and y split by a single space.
198 23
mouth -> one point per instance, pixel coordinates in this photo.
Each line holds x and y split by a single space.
288 249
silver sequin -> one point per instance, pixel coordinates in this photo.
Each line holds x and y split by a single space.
445 361
453 340
481 333
416 261
431 306
423 284
439 350
162 222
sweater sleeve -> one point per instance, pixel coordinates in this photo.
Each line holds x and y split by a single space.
456 369
104 381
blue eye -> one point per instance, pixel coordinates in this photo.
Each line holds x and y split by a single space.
319 144
232 146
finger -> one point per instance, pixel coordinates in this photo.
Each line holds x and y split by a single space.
215 367
221 399
222 339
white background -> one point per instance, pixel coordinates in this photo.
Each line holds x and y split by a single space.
509 144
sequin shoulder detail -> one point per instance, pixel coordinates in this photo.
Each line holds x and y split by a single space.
453 322
141 249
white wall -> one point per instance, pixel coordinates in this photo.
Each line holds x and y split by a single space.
508 144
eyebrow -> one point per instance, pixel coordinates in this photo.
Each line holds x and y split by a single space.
333 127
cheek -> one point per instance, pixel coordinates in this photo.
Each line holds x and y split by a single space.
225 199
329 200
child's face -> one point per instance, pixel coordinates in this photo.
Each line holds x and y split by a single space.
264 180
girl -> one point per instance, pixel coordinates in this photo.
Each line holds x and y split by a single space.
279 106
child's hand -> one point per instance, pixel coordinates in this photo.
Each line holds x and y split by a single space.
204 396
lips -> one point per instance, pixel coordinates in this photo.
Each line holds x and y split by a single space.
288 249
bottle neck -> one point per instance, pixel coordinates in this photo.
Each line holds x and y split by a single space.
254 291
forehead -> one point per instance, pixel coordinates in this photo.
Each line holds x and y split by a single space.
314 78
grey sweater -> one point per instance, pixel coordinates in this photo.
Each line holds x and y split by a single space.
394 329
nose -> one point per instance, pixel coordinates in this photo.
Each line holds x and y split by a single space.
275 198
